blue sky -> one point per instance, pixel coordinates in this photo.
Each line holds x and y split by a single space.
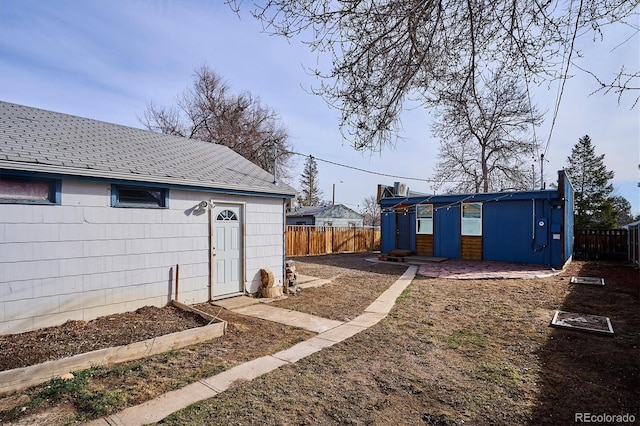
106 59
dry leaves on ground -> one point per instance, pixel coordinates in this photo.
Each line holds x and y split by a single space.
104 390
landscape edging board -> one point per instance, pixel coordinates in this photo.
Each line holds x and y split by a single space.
19 379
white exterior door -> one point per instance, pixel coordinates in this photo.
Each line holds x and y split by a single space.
227 250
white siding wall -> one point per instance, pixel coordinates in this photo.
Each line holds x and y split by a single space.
84 259
338 222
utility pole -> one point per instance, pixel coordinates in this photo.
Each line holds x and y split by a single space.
542 171
333 197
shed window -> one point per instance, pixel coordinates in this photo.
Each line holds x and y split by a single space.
139 196
424 217
471 218
25 190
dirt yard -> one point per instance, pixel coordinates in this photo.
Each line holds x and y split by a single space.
450 352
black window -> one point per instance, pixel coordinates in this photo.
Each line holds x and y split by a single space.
139 196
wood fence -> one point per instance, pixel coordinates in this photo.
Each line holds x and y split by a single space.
591 244
302 240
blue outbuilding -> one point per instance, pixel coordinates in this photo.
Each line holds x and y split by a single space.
515 226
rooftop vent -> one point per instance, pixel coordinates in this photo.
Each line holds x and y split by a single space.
400 189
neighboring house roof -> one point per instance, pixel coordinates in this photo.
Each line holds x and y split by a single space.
37 140
330 211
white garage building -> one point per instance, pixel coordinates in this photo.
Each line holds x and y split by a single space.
97 218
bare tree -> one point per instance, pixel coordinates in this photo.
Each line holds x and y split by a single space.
371 211
624 81
484 136
210 112
384 51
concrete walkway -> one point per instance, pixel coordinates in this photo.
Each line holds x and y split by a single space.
331 332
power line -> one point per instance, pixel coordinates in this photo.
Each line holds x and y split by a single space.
566 72
364 170
533 124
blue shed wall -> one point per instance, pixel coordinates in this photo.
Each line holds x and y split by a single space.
568 219
509 232
388 232
526 226
405 224
446 231
556 242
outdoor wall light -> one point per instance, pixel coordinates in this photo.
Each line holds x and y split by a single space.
202 206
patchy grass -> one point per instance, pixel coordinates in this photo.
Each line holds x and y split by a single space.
498 373
453 353
406 293
450 353
466 338
93 401
102 391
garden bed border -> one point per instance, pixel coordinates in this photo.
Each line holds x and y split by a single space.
19 379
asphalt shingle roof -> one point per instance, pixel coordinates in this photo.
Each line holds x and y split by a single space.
308 211
337 210
37 140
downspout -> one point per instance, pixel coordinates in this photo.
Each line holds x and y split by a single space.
549 237
533 222
211 252
284 240
563 230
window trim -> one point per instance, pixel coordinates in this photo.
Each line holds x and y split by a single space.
425 219
115 197
55 190
475 231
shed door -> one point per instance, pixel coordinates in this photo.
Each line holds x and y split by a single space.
227 250
446 232
403 231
